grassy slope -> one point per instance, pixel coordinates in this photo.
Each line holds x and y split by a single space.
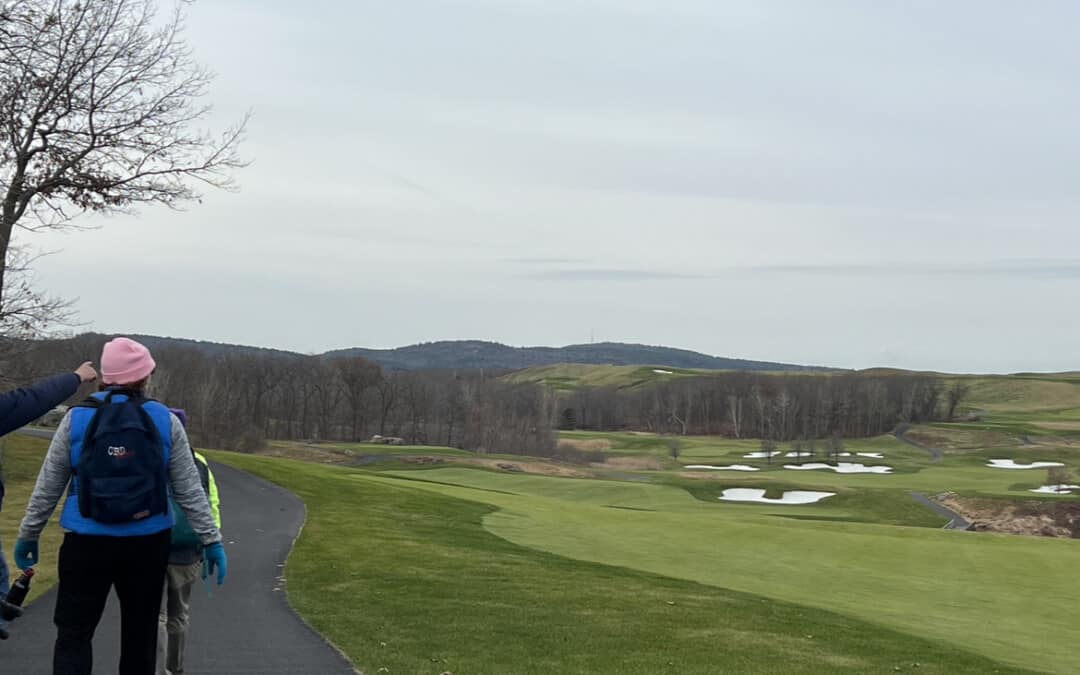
914 470
570 376
22 457
429 590
984 591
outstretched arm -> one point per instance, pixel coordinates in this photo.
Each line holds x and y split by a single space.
22 406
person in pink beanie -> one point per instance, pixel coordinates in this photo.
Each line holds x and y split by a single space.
125 362
125 456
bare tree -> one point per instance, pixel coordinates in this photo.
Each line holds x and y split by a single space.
954 397
387 387
768 448
358 376
99 103
735 411
26 312
674 448
834 445
1058 477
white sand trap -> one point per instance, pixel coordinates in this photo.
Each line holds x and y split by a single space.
800 454
662 372
871 455
841 467
793 497
763 455
1009 464
1057 489
733 467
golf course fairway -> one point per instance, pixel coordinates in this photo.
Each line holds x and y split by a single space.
463 570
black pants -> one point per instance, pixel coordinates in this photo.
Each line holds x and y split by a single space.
89 567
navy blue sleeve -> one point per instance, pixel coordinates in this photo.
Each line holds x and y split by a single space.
22 406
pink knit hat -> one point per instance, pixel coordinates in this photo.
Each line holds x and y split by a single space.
124 361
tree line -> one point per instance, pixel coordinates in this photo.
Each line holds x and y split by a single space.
768 406
238 399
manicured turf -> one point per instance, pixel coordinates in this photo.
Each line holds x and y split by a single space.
21 460
410 581
914 470
988 592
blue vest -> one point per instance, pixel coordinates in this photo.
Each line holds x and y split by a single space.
72 519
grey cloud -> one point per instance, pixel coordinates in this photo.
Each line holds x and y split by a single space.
1024 269
431 161
547 261
608 275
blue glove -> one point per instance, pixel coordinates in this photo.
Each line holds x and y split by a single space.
26 554
215 559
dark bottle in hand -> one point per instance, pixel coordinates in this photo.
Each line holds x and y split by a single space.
11 608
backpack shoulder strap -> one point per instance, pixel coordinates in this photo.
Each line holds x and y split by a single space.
93 403
89 402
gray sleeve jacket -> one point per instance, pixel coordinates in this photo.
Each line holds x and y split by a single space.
56 473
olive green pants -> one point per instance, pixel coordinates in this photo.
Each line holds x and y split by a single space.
174 617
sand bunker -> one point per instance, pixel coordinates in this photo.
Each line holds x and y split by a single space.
1057 489
763 455
842 467
732 467
1010 464
662 372
793 497
871 455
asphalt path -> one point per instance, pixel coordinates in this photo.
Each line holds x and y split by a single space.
936 454
956 521
245 626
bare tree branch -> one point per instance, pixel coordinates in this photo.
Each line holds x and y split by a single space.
100 107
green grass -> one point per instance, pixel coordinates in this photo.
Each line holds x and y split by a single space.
914 470
988 592
364 449
408 579
22 457
1020 393
571 376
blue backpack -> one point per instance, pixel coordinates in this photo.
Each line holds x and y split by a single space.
121 471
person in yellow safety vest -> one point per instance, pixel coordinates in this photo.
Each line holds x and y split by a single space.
184 570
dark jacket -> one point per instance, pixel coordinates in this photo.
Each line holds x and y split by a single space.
22 406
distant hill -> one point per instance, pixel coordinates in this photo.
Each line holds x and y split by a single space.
474 354
480 354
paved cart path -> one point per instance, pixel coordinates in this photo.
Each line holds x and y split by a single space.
246 626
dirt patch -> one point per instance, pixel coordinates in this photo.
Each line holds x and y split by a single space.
305 453
632 464
539 468
422 460
928 439
1053 441
1060 426
1031 518
962 439
588 445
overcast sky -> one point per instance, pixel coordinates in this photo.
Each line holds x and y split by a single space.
841 183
